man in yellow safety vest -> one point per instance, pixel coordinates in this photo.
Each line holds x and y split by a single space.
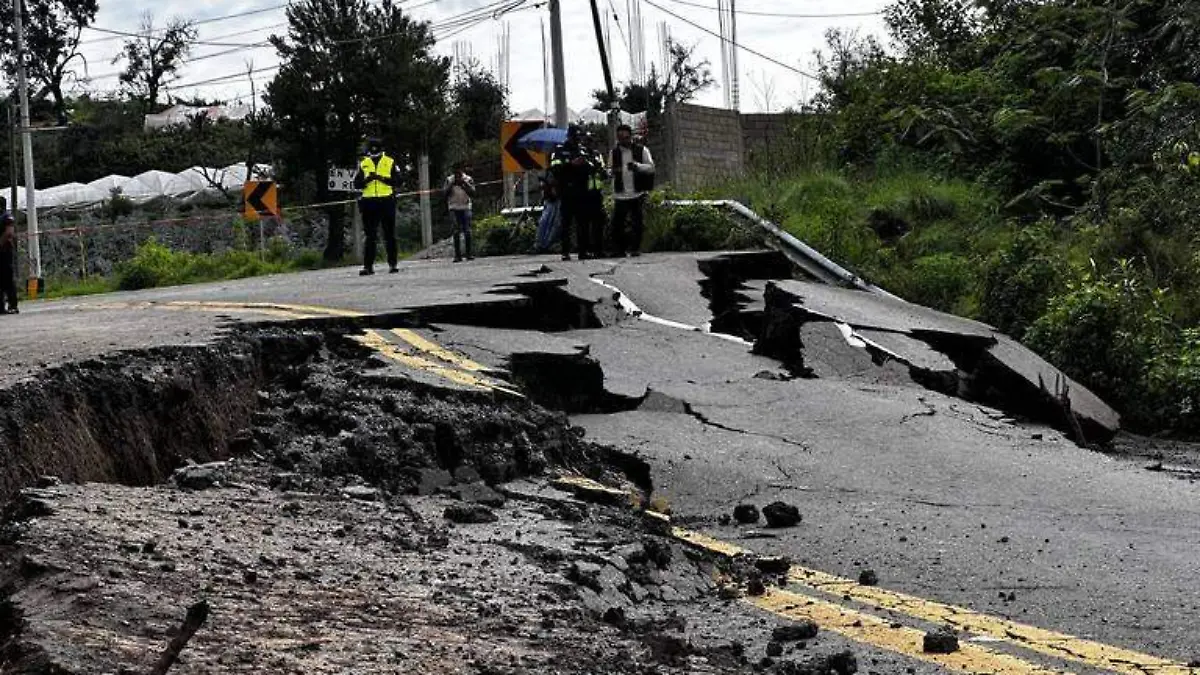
377 180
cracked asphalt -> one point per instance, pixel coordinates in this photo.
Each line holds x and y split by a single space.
943 498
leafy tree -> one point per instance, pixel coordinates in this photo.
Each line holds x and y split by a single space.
682 81
154 56
479 101
52 32
353 68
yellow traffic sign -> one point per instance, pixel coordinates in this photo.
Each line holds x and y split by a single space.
260 199
517 160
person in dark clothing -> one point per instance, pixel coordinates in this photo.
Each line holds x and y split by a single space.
593 220
633 178
8 264
570 168
377 180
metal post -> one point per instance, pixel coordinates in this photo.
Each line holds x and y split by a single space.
35 249
14 164
426 203
357 232
510 190
525 188
561 116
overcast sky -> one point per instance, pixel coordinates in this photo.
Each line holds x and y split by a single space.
791 41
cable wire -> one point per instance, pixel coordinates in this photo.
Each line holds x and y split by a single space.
845 15
760 55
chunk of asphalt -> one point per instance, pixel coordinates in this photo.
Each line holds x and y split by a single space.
199 476
774 648
468 514
361 493
477 493
868 578
746 514
804 629
780 514
775 564
943 640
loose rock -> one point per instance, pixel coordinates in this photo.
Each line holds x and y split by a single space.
868 578
199 476
776 564
804 629
774 648
779 514
468 514
941 641
361 493
746 514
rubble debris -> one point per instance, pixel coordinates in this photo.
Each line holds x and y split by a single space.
746 514
775 564
804 629
476 493
47 482
781 514
197 614
199 476
774 648
755 587
868 577
469 514
361 493
942 640
840 663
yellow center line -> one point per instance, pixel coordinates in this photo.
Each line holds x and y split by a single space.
374 340
1051 643
436 350
874 631
299 310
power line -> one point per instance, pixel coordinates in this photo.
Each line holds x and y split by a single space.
845 15
617 19
760 55
117 35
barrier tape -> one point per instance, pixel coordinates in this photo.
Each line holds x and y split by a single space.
215 217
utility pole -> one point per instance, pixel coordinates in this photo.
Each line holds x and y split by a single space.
13 164
608 81
34 245
733 55
561 116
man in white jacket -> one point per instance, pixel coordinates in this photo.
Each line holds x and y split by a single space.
633 179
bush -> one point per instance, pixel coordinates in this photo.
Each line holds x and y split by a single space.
941 281
1019 280
695 228
153 265
496 235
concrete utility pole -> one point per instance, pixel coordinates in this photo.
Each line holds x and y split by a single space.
426 202
34 245
733 55
12 158
561 116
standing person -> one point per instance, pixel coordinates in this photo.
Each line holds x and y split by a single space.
459 190
8 264
548 228
591 225
633 179
377 180
569 166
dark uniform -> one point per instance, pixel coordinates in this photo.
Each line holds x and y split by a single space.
8 264
570 167
593 220
377 179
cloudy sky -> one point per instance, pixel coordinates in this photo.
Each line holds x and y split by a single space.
790 41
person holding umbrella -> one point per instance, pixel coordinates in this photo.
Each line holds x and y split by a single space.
570 169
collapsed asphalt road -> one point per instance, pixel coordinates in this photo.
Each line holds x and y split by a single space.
710 378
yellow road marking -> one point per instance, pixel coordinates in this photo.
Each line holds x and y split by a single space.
874 631
434 349
374 340
314 310
1040 640
1051 643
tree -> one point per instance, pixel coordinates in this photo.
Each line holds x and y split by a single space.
353 68
154 56
52 32
479 101
683 80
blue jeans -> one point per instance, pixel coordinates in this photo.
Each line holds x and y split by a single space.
462 228
547 231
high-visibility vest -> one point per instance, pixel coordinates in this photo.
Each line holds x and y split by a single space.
374 186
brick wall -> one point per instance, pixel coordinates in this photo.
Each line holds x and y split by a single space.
762 131
694 146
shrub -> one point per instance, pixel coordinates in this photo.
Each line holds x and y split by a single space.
942 281
496 235
1019 280
152 265
696 228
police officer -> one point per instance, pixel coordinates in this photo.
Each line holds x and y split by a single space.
377 180
591 227
570 168
8 264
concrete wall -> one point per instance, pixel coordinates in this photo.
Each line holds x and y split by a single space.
695 146
706 145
